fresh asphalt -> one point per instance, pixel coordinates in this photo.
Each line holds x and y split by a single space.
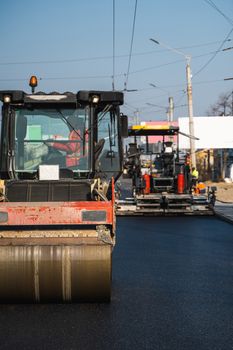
172 289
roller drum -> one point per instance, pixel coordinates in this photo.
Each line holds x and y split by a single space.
55 273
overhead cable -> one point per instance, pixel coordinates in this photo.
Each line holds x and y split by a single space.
85 59
214 55
131 46
212 4
113 45
116 75
60 78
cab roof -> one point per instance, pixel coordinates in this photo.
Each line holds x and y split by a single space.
82 97
153 130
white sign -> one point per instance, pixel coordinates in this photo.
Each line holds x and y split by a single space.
48 172
212 132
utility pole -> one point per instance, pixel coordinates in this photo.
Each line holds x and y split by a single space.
232 103
190 110
136 116
190 98
170 114
171 109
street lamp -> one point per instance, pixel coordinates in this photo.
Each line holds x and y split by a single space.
189 95
154 105
228 48
158 87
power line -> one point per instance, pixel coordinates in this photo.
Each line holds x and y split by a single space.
73 60
15 79
177 104
57 61
196 83
113 45
116 75
108 77
214 55
126 105
154 67
207 81
146 99
61 78
172 62
131 45
212 4
201 45
184 92
80 77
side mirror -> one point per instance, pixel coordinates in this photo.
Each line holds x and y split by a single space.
21 127
124 126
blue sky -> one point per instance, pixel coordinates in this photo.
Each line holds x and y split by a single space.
69 45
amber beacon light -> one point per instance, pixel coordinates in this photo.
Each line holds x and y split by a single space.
33 83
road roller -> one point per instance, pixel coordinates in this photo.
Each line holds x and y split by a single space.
61 154
160 176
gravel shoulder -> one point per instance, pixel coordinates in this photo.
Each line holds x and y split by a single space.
224 191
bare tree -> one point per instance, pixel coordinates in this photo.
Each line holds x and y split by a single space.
223 106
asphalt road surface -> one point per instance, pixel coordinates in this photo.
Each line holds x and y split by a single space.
172 289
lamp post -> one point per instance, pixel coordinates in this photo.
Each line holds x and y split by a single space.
189 95
136 116
171 109
158 87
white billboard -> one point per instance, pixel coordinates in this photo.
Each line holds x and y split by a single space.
212 132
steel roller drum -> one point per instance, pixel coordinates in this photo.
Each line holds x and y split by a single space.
49 270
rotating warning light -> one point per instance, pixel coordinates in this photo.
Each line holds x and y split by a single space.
33 82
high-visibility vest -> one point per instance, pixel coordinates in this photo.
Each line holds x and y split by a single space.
195 174
73 149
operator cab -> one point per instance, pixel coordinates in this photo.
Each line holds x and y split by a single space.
159 160
59 137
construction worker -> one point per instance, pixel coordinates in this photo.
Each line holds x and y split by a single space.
73 148
195 176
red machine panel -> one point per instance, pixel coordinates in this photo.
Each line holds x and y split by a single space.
56 213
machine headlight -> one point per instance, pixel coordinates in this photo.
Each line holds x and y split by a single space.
7 99
95 99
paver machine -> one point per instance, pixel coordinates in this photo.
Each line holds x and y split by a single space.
161 182
60 156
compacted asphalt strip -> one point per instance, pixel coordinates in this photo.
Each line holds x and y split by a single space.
172 289
224 211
